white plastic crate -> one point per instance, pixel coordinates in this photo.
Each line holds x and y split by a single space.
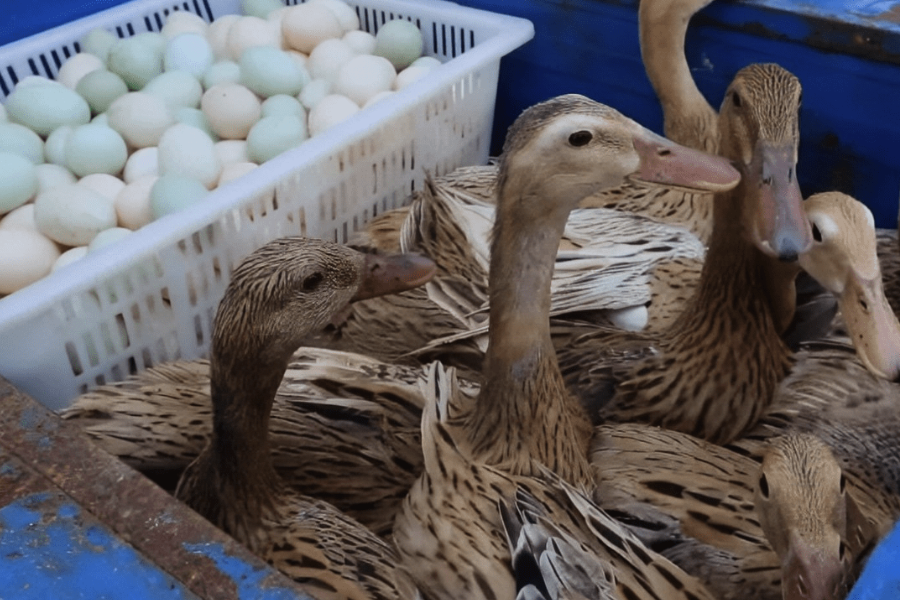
151 298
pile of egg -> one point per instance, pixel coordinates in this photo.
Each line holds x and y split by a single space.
137 128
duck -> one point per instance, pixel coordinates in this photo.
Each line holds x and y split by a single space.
523 432
276 295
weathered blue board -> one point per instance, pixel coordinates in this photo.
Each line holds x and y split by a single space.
846 54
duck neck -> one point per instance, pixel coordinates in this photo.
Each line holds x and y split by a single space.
524 412
689 119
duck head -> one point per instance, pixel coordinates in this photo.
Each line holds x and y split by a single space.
802 508
759 131
843 259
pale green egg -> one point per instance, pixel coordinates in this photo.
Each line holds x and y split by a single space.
99 88
177 88
43 108
3 115
188 151
101 119
172 193
98 41
135 60
21 140
95 149
399 41
18 181
282 104
107 237
155 41
260 8
188 52
268 71
195 118
271 136
55 146
224 71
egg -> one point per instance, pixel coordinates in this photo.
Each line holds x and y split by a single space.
140 118
409 75
400 41
217 36
330 111
195 118
231 110
177 88
186 150
25 257
101 119
98 41
268 71
304 26
345 15
107 237
141 163
18 181
100 88
30 80
104 184
223 71
43 108
154 41
362 42
50 175
72 215
326 58
231 151
20 218
271 136
95 149
68 257
132 203
378 97
172 193
260 8
79 65
363 76
135 60
21 140
189 52
282 104
230 172
314 91
249 32
426 61
182 21
3 116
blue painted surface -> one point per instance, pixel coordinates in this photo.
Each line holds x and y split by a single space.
881 578
48 550
249 581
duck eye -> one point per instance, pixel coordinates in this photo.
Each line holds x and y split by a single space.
311 282
843 483
817 235
736 99
764 485
842 549
580 138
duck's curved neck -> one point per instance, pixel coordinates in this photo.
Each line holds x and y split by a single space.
689 119
524 412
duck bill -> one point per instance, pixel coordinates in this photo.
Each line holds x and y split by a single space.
392 274
663 162
809 574
782 230
872 325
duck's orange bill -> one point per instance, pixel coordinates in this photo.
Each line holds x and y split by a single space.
810 573
392 274
872 325
664 162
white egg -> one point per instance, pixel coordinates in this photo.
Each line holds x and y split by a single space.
141 163
182 21
177 88
20 218
140 118
314 91
426 61
3 116
268 71
72 215
68 257
362 42
188 52
217 36
100 88
326 58
231 151
271 136
230 172
18 181
400 41
299 57
133 203
363 76
79 65
378 97
260 8
95 149
25 257
409 75
249 32
304 26
30 80
231 110
50 175
43 108
21 140
345 15
136 60
98 41
224 71
172 193
103 184
330 111
186 150
107 237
